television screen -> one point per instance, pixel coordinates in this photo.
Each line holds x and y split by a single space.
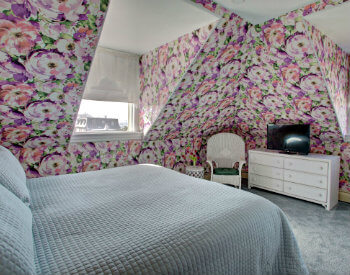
289 138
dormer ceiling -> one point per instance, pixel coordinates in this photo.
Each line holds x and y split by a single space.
138 26
258 12
334 22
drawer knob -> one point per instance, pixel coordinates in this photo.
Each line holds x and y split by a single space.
321 181
321 167
289 176
320 195
290 164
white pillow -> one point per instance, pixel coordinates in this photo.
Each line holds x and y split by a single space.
12 175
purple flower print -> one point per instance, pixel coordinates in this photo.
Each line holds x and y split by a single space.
43 110
147 156
54 164
60 10
44 65
298 46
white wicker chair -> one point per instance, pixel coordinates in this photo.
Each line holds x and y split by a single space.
225 150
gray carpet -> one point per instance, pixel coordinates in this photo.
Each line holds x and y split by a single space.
323 236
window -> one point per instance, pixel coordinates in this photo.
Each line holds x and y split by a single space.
108 110
99 116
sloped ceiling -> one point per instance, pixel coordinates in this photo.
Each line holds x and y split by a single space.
139 26
334 23
248 76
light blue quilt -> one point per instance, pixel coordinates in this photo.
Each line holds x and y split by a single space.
147 219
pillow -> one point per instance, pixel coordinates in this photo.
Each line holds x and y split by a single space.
16 238
226 171
12 175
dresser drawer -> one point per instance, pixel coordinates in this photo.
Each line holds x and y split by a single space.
267 171
307 192
305 178
316 167
266 159
265 182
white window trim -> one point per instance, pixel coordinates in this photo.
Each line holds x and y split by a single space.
133 132
105 136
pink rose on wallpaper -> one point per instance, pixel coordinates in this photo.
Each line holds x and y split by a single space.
303 104
54 164
31 155
258 74
18 38
163 52
46 65
169 160
229 52
291 73
57 10
230 69
67 46
15 134
318 150
275 34
147 156
322 114
273 102
39 142
311 83
208 98
173 68
16 95
43 110
255 93
205 87
134 147
269 117
298 45
186 114
315 129
91 165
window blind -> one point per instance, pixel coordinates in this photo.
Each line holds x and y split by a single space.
114 76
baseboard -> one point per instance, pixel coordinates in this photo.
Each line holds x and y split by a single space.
344 196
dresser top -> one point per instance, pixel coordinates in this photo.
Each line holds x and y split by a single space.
309 156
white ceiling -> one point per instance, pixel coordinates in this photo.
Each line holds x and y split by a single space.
138 26
335 23
258 11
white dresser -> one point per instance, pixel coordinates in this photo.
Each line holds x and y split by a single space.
314 177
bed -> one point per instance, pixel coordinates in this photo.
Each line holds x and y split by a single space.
146 219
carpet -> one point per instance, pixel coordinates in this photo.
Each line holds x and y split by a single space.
323 236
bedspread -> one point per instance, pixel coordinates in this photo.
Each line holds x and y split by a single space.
146 219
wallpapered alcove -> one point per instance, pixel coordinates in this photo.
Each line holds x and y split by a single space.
234 76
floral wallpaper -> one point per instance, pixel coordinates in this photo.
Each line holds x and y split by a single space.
335 67
46 51
247 76
173 153
162 69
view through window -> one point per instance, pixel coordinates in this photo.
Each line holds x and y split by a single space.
98 116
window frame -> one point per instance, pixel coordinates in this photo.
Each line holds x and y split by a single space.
133 132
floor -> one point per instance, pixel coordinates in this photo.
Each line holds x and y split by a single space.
323 236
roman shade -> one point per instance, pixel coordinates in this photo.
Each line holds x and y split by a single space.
114 76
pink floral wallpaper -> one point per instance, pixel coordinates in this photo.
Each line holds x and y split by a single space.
161 71
46 51
335 68
248 76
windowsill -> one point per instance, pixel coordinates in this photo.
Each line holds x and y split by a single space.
105 136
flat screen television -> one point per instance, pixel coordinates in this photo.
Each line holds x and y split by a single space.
289 138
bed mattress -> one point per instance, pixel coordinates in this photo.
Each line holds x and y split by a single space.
146 219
